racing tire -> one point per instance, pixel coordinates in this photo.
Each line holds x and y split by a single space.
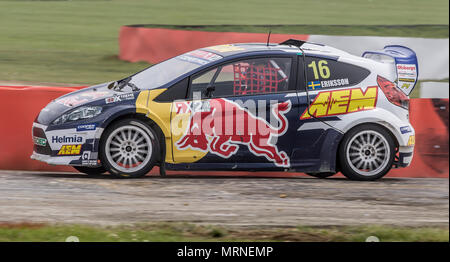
90 171
129 148
366 153
321 175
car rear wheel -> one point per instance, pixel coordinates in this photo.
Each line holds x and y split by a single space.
91 171
366 153
129 148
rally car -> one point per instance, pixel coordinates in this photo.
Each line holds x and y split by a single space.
294 106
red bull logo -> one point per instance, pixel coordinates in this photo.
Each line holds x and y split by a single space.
220 126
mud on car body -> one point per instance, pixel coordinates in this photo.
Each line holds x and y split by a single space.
293 106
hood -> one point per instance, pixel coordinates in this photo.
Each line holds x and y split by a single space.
93 95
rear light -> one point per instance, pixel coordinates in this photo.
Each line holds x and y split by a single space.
392 93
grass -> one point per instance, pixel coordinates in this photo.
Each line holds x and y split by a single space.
185 232
425 31
76 41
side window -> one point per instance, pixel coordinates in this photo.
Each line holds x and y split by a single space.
176 92
245 77
326 73
201 82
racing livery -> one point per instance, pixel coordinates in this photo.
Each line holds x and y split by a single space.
294 106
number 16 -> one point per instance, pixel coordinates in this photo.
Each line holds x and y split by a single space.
323 69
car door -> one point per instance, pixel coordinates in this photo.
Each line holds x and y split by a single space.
239 114
310 131
324 100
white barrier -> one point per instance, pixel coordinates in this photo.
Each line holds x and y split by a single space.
434 90
432 53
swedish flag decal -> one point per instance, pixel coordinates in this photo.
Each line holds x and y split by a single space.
313 85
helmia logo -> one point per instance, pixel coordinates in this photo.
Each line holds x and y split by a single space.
219 126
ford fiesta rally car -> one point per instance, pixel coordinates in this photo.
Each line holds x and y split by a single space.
293 106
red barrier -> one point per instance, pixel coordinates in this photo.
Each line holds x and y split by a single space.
158 44
19 106
429 118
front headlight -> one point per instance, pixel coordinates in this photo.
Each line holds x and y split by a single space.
81 113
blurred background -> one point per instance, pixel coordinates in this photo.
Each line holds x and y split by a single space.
76 42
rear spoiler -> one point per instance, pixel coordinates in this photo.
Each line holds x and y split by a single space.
406 66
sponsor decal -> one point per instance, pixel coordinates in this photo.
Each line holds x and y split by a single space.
200 57
86 155
405 86
412 140
226 48
313 85
95 94
81 98
39 141
407 75
338 102
406 68
89 162
194 106
67 139
86 127
221 125
407 80
405 129
86 159
334 82
193 60
119 98
71 101
67 150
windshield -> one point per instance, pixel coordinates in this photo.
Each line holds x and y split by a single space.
164 72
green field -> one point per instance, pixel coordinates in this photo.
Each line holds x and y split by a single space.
181 232
76 41
426 31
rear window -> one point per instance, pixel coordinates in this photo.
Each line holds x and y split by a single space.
327 73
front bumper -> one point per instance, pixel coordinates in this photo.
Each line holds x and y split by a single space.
51 160
66 146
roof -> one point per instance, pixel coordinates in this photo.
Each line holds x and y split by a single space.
308 48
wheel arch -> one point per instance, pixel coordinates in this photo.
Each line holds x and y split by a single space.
132 114
343 166
388 128
384 124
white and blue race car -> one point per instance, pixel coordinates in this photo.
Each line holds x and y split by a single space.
293 106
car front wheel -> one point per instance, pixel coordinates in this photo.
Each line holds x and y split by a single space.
129 148
366 152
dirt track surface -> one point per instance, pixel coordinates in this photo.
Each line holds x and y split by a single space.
76 198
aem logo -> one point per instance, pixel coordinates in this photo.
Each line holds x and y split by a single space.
70 150
337 102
